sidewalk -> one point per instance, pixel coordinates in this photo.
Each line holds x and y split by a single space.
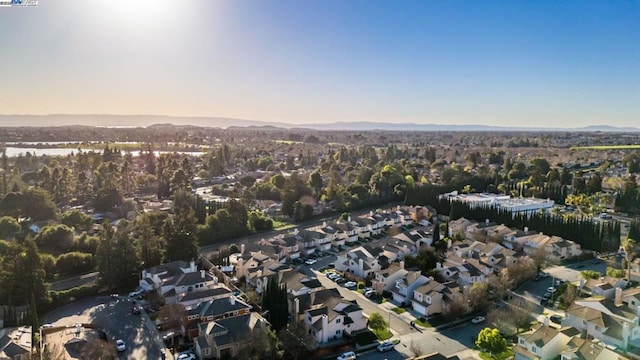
151 328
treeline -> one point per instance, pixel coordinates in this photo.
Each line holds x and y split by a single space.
591 235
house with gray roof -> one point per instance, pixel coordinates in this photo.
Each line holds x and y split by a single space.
227 337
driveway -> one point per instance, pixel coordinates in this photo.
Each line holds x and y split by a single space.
115 318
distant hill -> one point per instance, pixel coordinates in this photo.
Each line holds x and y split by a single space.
221 122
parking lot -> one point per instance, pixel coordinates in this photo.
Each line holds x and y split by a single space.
114 316
535 290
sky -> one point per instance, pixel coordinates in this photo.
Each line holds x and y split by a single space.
505 63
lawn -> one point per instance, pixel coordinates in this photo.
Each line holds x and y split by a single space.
422 323
281 225
365 338
383 334
499 356
398 310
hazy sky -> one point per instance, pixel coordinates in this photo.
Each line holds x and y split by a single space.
526 63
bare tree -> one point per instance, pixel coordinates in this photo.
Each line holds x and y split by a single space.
415 349
171 316
295 340
523 270
457 307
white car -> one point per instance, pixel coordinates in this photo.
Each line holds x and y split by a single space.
120 345
551 290
187 356
350 284
350 355
385 346
310 261
477 319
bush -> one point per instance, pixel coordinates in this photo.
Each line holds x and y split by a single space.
59 298
75 263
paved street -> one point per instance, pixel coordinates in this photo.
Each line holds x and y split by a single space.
375 355
114 316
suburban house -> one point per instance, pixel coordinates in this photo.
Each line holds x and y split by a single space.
361 261
227 337
177 280
195 298
515 239
496 234
334 235
348 232
480 231
464 271
459 226
212 311
334 318
385 279
15 343
320 240
403 290
610 321
592 350
428 299
413 239
326 314
555 247
495 255
377 222
155 277
605 287
298 283
544 343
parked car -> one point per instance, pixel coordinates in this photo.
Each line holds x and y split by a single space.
341 280
551 289
187 355
135 293
349 355
120 345
385 346
369 293
544 274
477 319
350 284
311 261
555 319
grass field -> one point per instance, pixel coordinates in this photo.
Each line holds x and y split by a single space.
288 142
607 147
280 225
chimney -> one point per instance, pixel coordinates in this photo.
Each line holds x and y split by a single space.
581 283
439 266
370 213
241 248
325 328
546 321
526 229
486 221
232 300
296 307
202 274
349 218
324 224
402 264
618 298
192 265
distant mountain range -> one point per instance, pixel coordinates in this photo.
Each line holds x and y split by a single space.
220 122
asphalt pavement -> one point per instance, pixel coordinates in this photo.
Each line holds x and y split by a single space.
113 315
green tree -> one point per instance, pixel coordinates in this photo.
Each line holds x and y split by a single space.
295 340
149 245
77 220
9 227
316 182
629 247
274 300
57 237
491 340
181 236
377 323
590 274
